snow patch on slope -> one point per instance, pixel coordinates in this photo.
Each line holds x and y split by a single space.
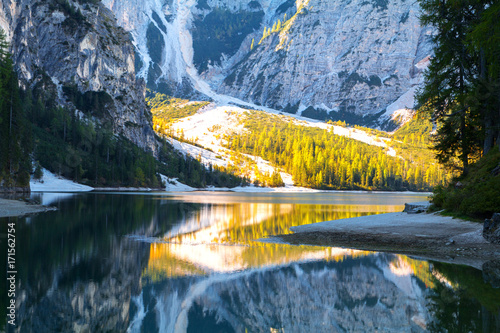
173 185
401 110
177 63
207 128
52 183
214 121
222 159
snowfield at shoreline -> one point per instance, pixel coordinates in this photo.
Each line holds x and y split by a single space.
53 183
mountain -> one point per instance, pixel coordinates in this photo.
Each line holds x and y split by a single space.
74 52
359 61
80 105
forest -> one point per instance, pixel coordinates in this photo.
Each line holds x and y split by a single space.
461 96
319 159
315 157
458 119
16 141
93 155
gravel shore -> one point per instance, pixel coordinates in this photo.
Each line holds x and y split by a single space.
428 236
11 208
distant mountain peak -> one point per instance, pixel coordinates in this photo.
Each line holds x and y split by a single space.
356 61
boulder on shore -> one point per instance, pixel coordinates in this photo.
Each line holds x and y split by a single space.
491 273
491 229
416 207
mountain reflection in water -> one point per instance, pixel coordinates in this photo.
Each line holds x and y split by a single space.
191 263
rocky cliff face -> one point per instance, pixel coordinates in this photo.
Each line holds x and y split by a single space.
347 57
74 50
355 60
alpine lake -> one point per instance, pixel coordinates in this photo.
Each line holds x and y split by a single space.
192 262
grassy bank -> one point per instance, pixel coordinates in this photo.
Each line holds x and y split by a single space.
475 195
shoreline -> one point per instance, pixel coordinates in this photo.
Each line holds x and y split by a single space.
427 235
18 208
55 184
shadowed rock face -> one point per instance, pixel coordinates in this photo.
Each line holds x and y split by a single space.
70 49
333 59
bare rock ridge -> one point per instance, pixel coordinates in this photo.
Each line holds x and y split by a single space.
348 57
75 50
359 61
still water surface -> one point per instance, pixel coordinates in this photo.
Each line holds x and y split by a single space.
189 262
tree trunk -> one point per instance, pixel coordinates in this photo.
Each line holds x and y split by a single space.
489 138
498 123
465 148
489 132
463 126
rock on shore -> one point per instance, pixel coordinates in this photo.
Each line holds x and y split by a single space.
491 229
417 207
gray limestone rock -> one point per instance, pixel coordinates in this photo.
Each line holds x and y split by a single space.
360 60
77 47
352 57
491 229
491 273
416 207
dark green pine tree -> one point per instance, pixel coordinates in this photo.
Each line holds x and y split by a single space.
462 86
15 137
484 39
448 82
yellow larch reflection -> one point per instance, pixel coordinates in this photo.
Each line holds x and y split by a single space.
402 271
222 238
420 269
174 260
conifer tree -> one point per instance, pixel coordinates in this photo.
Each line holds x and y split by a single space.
484 39
444 96
15 141
462 86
